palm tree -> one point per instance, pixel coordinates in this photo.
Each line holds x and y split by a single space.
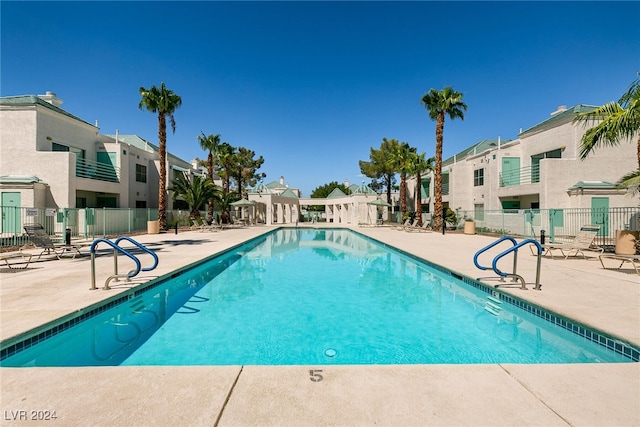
224 201
195 190
420 165
440 103
209 143
402 157
164 102
224 153
618 120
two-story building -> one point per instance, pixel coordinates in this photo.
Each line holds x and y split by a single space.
541 169
51 158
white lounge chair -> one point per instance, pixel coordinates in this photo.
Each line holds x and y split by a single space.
583 241
26 259
200 225
634 260
403 225
420 228
406 226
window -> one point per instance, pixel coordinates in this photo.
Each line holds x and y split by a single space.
81 202
445 183
478 177
141 173
58 147
478 211
535 162
510 204
141 204
79 152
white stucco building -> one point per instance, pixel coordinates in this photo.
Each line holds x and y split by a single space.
51 158
539 170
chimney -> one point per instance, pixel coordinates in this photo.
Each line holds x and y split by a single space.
560 109
346 183
282 180
51 98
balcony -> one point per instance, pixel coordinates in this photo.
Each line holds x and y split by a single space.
522 176
98 171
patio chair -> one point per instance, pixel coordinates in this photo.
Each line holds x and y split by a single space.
200 225
634 260
7 256
39 238
583 241
408 224
424 228
403 225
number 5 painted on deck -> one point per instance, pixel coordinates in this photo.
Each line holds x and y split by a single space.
316 375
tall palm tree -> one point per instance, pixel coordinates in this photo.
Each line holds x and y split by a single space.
441 103
618 120
402 157
224 201
420 165
195 190
164 102
209 143
224 153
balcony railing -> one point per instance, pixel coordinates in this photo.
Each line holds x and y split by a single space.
525 175
95 170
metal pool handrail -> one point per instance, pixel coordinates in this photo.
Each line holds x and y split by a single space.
514 249
141 246
115 275
486 248
514 276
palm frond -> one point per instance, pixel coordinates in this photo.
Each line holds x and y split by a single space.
631 182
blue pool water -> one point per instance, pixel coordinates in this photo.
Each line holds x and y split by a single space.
313 296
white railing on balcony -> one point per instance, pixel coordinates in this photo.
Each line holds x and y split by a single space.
525 175
95 170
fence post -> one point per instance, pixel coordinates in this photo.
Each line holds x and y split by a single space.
64 221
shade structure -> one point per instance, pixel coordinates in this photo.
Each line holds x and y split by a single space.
243 202
378 202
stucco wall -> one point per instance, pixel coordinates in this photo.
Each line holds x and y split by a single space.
607 164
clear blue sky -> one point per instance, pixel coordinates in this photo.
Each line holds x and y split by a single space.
311 86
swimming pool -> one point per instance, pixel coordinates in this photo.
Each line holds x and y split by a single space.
316 296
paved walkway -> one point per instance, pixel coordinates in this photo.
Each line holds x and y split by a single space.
447 395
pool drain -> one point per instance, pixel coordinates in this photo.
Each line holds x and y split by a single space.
330 352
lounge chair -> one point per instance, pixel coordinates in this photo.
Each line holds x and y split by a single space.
403 225
26 258
420 228
201 225
39 238
581 243
408 225
634 260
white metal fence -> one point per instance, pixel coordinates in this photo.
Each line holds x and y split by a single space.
89 223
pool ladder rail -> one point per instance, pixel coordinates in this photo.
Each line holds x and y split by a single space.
493 305
116 250
514 248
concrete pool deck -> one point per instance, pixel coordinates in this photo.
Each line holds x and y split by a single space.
388 395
